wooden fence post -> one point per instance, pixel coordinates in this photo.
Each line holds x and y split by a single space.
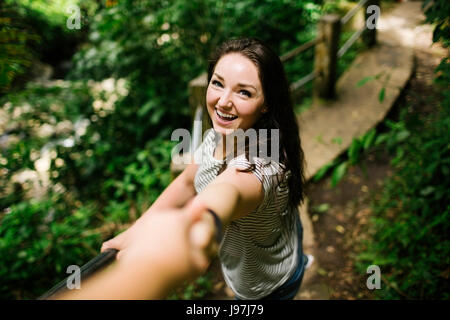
197 97
325 57
370 35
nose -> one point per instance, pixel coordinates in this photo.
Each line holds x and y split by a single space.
225 100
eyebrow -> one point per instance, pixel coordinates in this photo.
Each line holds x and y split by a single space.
239 84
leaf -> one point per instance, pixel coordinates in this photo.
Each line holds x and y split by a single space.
142 156
321 272
322 208
146 108
369 138
402 135
337 140
353 151
364 80
427 191
381 139
338 173
340 229
322 171
381 95
378 76
156 116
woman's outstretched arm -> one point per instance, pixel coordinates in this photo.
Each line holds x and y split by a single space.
175 196
167 248
232 195
178 193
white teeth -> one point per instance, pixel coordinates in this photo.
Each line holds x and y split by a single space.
224 115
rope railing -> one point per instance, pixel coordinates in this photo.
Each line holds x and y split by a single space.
301 82
352 12
350 41
329 31
197 128
294 52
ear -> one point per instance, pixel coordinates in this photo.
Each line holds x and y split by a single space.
264 109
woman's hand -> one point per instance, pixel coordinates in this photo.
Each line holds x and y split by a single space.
120 241
157 254
200 233
178 242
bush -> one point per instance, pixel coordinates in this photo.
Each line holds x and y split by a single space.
409 232
15 44
66 127
46 20
39 240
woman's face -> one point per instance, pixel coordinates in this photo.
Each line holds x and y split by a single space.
234 97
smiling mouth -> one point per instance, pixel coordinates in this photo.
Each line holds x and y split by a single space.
225 116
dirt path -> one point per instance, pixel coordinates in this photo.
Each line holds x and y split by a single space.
339 230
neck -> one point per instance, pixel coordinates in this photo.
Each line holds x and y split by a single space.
228 146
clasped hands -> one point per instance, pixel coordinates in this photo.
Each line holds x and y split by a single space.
178 242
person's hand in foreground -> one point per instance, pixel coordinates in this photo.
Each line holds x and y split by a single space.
163 250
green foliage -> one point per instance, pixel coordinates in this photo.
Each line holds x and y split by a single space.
32 30
339 166
410 228
159 46
409 232
411 223
144 178
15 56
323 170
68 127
344 62
196 289
384 82
38 240
324 207
436 12
53 13
338 173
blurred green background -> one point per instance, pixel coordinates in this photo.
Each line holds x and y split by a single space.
87 114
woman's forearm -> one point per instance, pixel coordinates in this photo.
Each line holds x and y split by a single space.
119 283
222 198
178 193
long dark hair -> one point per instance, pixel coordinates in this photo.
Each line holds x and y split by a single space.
280 112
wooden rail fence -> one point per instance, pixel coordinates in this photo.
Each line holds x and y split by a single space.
324 74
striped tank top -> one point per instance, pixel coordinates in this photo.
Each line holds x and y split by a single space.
258 252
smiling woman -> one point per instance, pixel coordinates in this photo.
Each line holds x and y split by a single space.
256 200
232 104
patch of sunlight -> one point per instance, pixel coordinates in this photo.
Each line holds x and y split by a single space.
55 11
